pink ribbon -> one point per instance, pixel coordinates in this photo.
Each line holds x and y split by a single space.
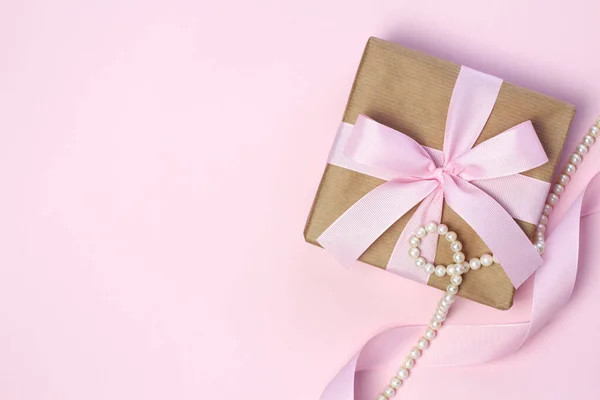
481 184
472 344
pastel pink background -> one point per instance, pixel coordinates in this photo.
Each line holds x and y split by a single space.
158 161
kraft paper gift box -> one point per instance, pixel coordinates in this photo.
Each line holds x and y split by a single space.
410 91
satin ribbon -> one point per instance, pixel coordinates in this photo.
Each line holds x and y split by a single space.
473 344
481 184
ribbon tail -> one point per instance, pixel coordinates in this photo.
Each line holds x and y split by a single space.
521 196
555 280
357 228
496 228
342 386
400 263
475 344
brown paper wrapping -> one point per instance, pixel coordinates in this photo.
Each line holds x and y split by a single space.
410 92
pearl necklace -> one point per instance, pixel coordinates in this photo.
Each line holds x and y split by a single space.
455 271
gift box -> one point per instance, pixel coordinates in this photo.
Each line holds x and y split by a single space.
410 92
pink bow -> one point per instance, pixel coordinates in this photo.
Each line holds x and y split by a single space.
481 184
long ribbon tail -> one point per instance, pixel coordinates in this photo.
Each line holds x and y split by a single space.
517 255
430 209
357 228
475 344
521 196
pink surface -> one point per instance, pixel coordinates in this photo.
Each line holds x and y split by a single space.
140 260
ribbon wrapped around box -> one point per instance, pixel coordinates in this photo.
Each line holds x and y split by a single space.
424 140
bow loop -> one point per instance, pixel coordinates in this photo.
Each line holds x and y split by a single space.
513 151
377 145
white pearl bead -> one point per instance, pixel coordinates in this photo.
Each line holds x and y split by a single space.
544 220
541 228
414 252
552 199
402 373
458 257
465 267
456 280
439 317
570 169
435 325
451 269
449 298
431 227
382 397
539 235
415 353
423 343
441 311
495 259
429 334
452 289
430 269
475 263
547 209
451 236
564 179
558 189
414 241
540 247
442 229
389 392
576 159
456 246
440 270
588 140
420 262
594 131
460 269
421 232
408 363
581 149
396 382
486 260
443 304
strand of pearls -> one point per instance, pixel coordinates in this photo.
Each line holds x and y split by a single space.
575 160
461 266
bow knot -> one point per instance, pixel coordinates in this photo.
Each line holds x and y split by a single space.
438 174
455 169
